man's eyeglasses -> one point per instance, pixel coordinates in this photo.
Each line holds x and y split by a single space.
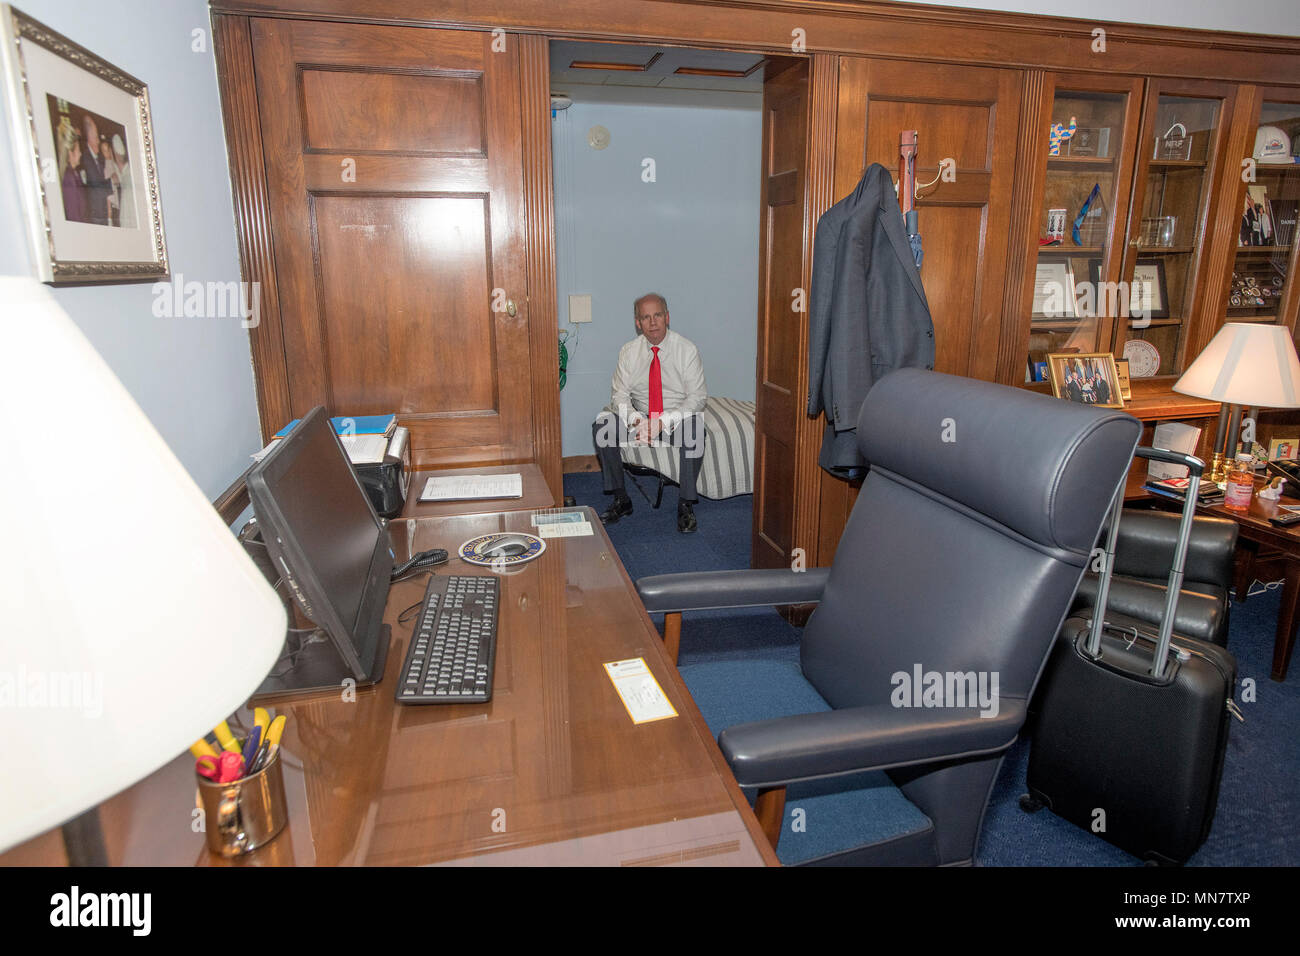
655 315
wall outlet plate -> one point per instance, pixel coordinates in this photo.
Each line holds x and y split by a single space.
579 308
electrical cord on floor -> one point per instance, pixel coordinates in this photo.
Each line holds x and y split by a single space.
1264 587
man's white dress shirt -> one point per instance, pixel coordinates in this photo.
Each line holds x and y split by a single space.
681 373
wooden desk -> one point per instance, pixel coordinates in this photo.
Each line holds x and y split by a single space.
552 770
536 493
1257 540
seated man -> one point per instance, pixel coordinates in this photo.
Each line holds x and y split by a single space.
658 389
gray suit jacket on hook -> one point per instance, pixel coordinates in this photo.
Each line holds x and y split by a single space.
868 312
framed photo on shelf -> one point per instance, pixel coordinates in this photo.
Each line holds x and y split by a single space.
1284 221
1257 224
1283 449
1089 141
84 151
1125 383
1148 292
1088 378
1054 291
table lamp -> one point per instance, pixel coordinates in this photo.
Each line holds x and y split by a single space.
1246 364
132 620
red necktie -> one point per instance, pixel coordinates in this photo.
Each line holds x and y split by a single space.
656 385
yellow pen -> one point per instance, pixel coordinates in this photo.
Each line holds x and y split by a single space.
226 738
201 748
277 730
262 719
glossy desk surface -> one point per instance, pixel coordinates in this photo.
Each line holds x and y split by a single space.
551 771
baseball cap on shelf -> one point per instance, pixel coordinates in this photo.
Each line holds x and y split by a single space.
1272 145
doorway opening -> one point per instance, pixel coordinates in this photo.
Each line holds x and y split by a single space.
659 168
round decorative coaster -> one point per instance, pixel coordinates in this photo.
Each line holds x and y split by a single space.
502 549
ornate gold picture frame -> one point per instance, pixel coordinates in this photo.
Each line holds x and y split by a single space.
85 158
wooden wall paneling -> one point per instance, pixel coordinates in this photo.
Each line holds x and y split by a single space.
878 28
1026 193
835 495
539 246
971 115
233 48
781 331
829 101
398 253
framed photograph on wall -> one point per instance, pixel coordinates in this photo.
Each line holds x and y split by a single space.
84 151
1088 378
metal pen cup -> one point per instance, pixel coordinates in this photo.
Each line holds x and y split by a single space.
244 814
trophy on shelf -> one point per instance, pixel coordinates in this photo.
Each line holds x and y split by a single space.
1175 144
1090 225
1057 134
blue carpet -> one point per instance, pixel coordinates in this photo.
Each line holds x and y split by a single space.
1260 795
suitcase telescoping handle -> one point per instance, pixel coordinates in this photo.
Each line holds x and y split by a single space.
1195 468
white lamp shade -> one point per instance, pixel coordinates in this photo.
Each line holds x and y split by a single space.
131 620
1248 364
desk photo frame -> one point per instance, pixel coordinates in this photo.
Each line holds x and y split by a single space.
1088 378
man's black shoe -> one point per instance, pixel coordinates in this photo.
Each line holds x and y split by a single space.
685 517
620 507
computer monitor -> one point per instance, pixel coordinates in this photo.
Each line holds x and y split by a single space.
331 552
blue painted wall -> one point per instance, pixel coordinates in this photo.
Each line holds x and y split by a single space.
192 376
692 235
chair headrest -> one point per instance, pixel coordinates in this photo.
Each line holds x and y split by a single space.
1043 467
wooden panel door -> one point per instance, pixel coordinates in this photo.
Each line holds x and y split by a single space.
782 331
395 191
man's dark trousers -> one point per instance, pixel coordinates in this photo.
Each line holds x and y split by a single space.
687 438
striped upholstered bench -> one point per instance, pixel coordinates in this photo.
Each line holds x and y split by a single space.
728 467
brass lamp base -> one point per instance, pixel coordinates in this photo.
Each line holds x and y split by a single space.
1218 470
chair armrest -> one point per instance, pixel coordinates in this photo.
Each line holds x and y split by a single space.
773 753
711 590
1145 548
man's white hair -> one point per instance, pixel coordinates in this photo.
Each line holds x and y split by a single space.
636 306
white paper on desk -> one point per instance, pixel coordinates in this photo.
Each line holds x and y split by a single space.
365 449
555 516
566 529
471 487
641 694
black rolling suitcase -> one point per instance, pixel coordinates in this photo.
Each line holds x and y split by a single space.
1132 725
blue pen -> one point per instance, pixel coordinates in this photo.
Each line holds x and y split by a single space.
250 746
260 761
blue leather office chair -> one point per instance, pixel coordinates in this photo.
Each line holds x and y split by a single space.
961 557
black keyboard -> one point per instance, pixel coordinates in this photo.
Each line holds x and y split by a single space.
454 644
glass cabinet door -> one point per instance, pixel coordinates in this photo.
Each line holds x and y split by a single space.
1262 287
1182 138
1087 142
